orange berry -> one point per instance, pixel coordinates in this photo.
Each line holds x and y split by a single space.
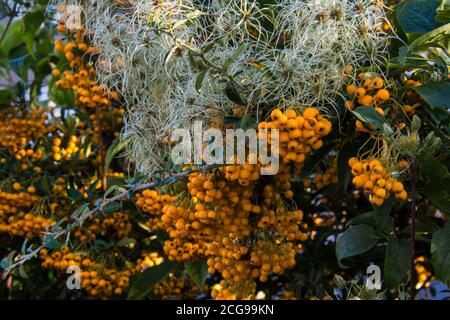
351 89
382 95
361 92
56 72
310 113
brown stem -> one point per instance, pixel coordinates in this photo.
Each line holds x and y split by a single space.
413 228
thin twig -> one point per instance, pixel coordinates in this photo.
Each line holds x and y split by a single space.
100 207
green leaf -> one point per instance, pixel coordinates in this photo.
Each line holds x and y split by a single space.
234 95
8 260
6 96
439 116
417 17
116 146
199 79
441 65
198 271
31 23
142 283
111 207
354 241
45 184
4 263
75 194
344 172
438 38
437 186
440 248
383 221
364 218
229 60
115 189
81 209
443 11
22 271
52 244
370 116
13 37
435 93
397 262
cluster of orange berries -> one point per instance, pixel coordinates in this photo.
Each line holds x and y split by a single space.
109 120
11 202
230 290
323 179
224 213
19 132
285 223
269 257
82 77
412 99
370 92
24 224
244 173
115 225
282 183
67 152
298 134
152 202
184 250
13 218
225 257
375 179
423 274
99 281
177 288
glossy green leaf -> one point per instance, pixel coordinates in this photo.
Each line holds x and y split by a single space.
52 244
370 116
417 17
397 262
13 37
111 207
354 241
116 146
199 79
437 184
344 172
198 271
440 248
435 93
383 221
142 283
234 95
